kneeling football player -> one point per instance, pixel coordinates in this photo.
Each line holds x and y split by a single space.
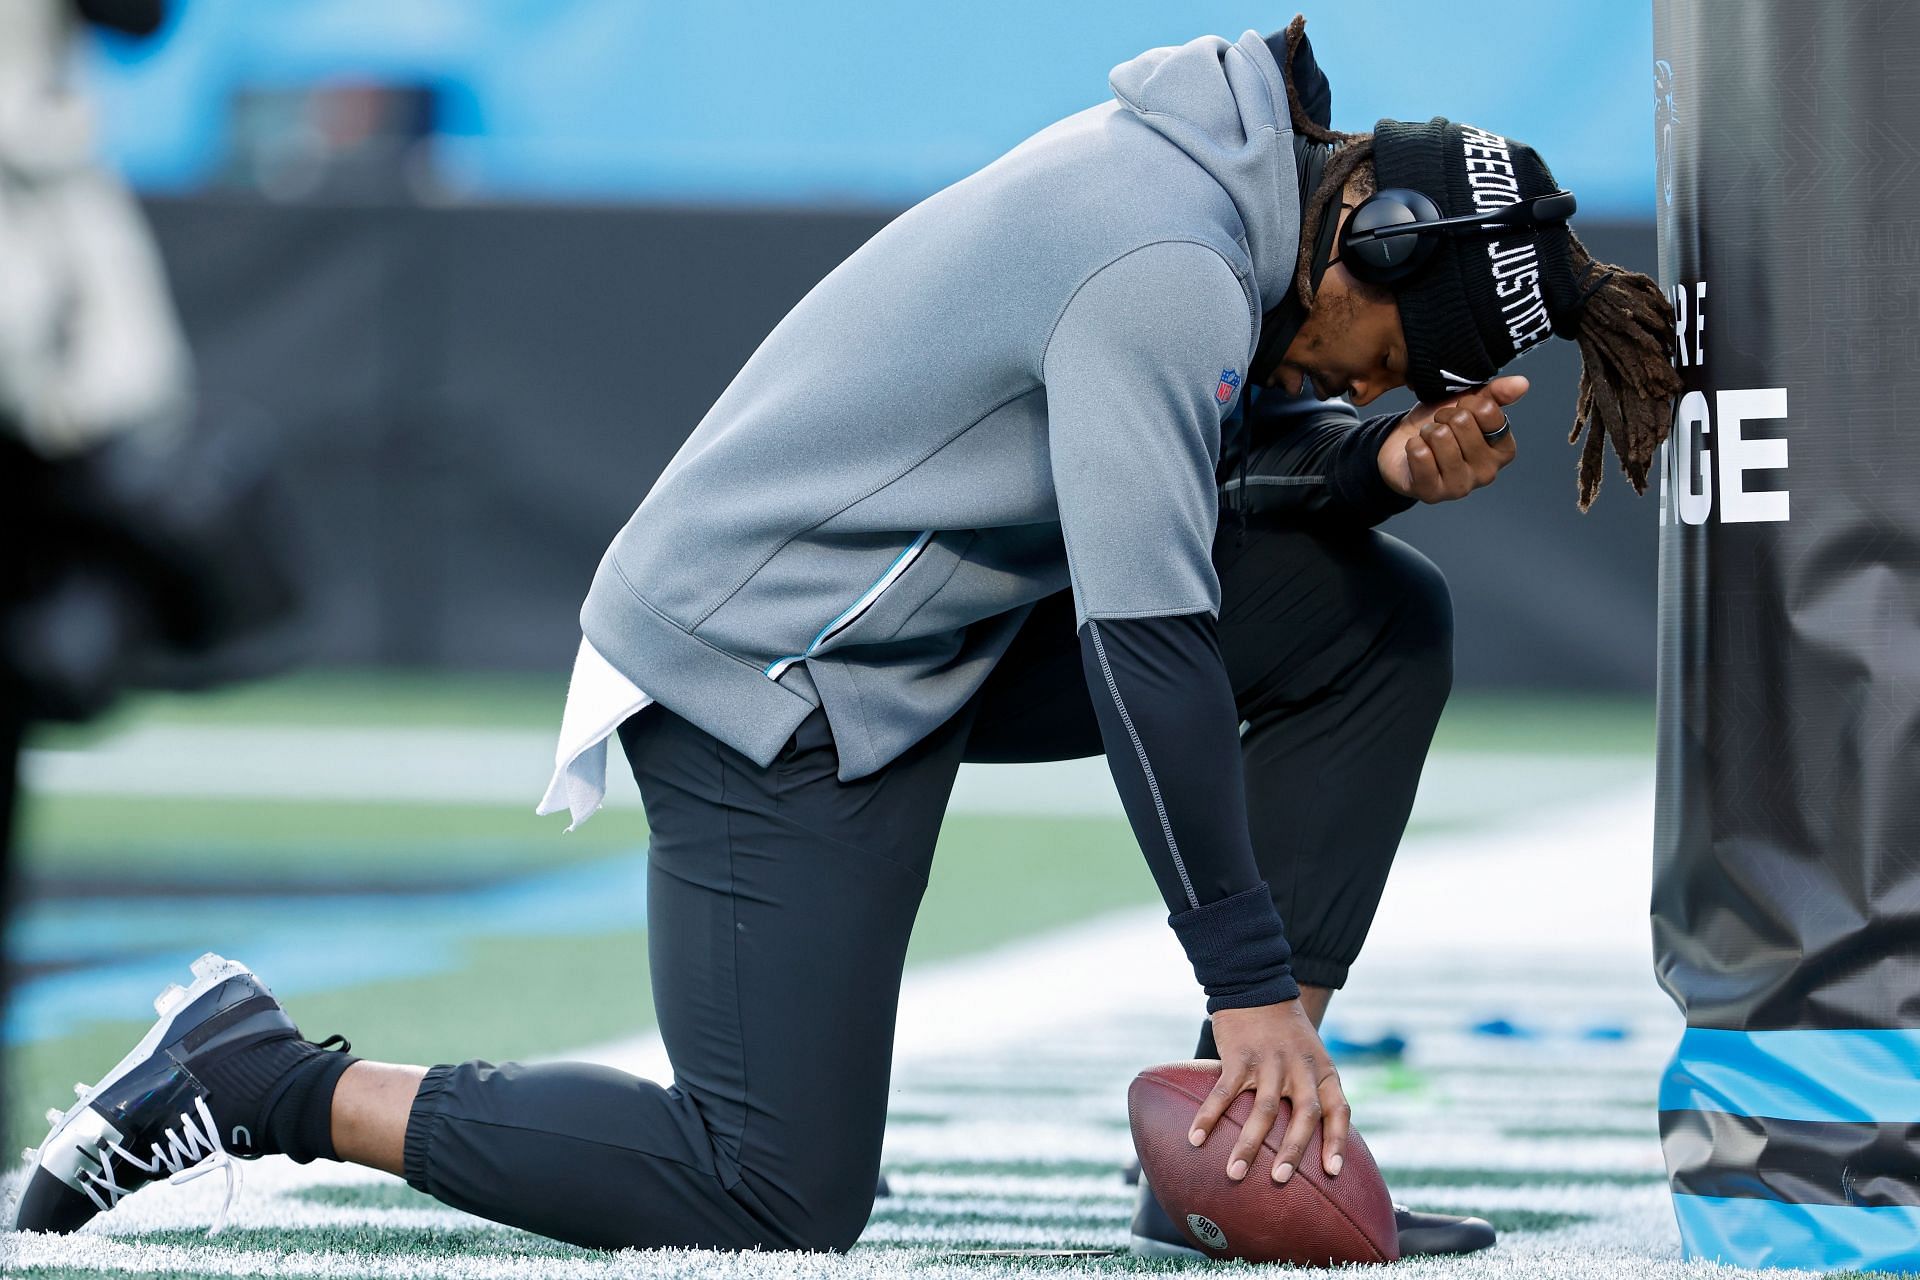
1056 464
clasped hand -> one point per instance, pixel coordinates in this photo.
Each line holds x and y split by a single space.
1440 452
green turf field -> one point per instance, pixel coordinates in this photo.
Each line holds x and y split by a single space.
1007 1126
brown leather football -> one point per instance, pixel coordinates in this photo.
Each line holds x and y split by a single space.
1310 1220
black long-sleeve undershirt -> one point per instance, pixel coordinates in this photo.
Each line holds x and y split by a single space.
1171 734
1298 456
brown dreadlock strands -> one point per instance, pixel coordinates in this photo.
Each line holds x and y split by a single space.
1296 32
1353 160
1627 378
1351 151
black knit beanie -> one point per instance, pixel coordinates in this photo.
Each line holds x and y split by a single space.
1479 301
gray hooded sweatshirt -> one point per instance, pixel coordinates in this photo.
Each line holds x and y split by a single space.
1015 386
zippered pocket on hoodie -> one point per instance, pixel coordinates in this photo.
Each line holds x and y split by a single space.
904 584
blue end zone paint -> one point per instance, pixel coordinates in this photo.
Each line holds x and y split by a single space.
1818 1237
1863 1076
110 955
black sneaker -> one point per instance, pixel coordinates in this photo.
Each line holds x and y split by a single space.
1421 1234
148 1118
1427 1234
1154 1235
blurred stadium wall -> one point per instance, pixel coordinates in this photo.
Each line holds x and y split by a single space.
478 268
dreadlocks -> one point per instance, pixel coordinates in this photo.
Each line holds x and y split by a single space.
1627 379
1350 160
1352 163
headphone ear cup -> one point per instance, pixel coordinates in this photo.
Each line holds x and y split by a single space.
1389 259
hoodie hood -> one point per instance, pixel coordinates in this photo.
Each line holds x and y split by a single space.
1225 106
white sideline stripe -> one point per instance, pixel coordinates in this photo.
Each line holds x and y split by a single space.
1570 882
442 766
1068 1188
402 764
479 766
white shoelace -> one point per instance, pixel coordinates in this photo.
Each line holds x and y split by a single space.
191 1151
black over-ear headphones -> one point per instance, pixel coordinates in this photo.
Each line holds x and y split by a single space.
1393 232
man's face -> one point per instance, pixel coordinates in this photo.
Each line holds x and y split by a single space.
1351 343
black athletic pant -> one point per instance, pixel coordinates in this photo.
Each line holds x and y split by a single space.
780 901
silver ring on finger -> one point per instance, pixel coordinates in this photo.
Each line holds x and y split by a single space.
1506 429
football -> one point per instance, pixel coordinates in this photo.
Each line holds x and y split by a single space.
1310 1220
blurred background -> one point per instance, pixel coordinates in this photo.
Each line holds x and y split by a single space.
478 268
432 293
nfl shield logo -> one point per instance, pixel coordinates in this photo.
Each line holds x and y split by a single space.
1229 380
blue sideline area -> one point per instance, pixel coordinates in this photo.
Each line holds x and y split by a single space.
95 957
866 102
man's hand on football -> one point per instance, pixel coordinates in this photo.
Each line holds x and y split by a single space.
1440 451
1275 1051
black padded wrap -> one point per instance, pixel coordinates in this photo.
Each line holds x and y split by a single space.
1238 950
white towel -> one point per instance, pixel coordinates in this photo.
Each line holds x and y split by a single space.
599 698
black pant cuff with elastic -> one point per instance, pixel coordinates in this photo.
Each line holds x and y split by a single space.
422 1121
1312 971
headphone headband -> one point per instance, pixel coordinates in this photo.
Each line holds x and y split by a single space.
1375 244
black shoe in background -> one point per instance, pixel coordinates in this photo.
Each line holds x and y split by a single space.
1428 1234
1153 1233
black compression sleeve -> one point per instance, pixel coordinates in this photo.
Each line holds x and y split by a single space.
1168 723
